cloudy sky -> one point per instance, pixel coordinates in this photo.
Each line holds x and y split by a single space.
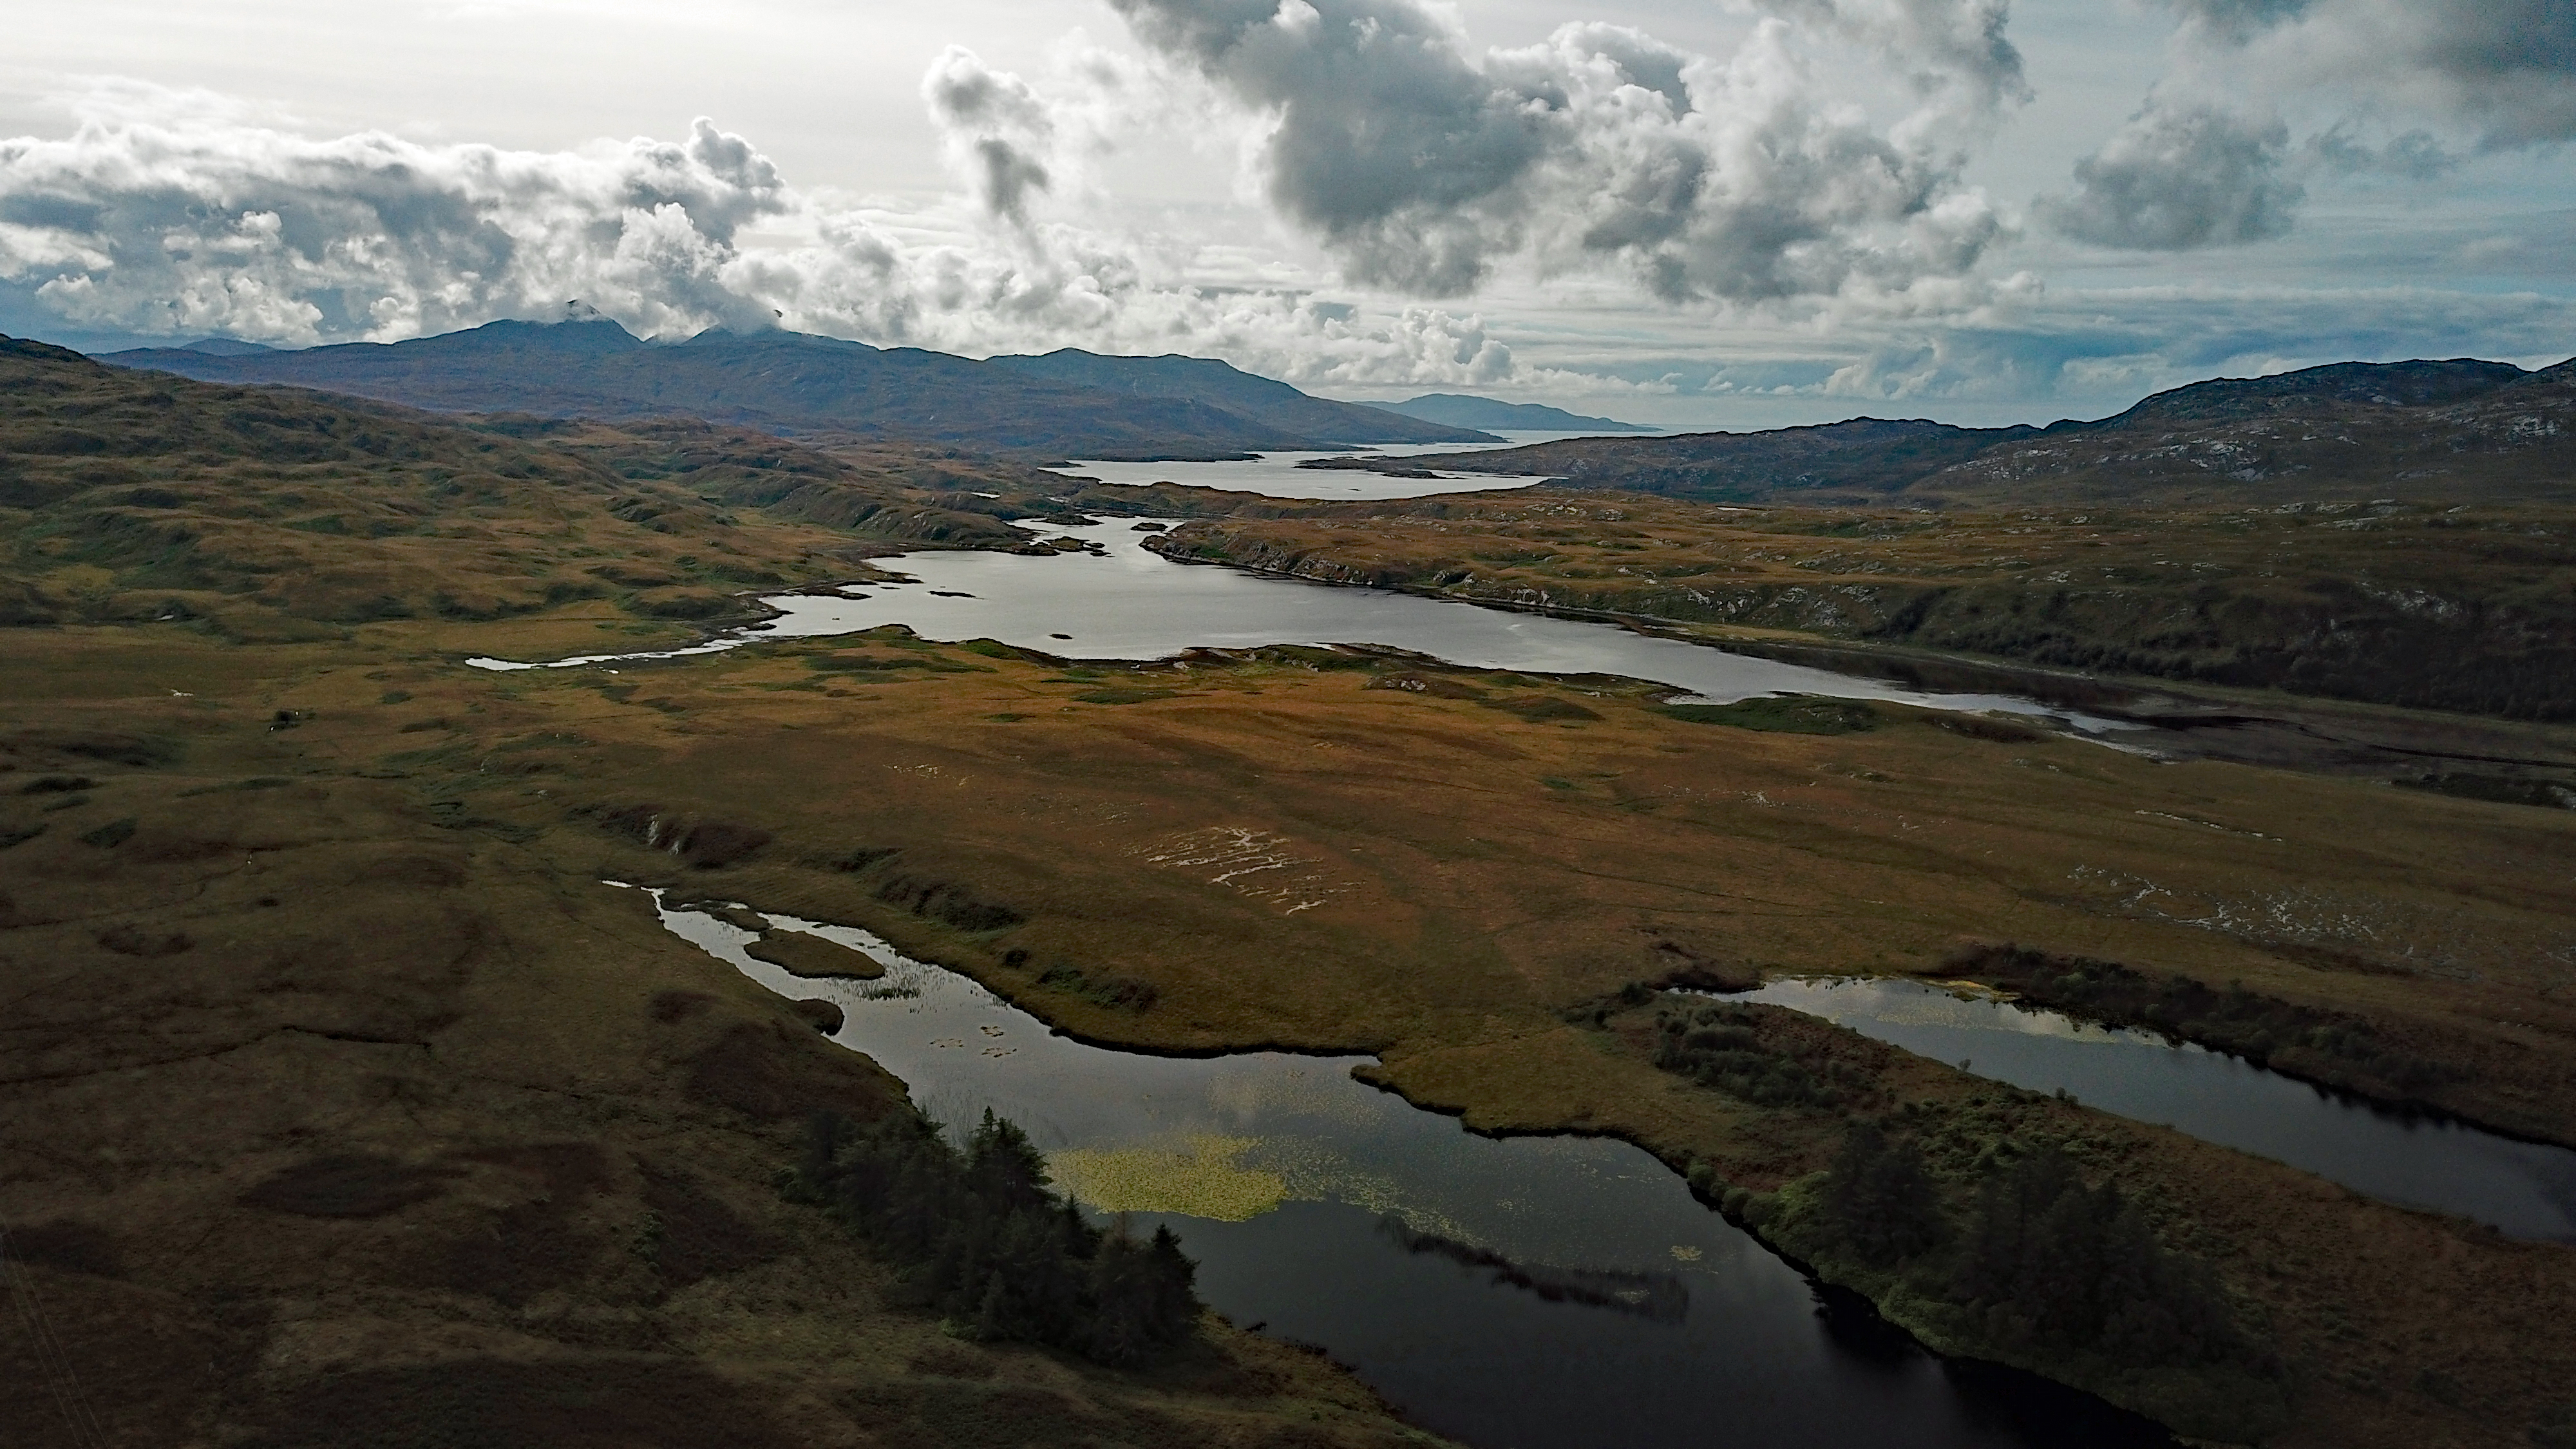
1722 213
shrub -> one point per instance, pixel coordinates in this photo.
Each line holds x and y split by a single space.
1719 1047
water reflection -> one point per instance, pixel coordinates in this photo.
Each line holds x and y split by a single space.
1526 1293
1277 475
2524 1189
1124 602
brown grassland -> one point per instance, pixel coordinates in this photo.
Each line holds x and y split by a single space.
341 1092
335 1109
2412 603
1453 882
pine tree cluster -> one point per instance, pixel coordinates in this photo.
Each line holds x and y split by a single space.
991 1246
2041 1257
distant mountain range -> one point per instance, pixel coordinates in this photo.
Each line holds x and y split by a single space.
1066 404
2460 428
1458 410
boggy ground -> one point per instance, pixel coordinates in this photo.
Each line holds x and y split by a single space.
1457 871
336 1110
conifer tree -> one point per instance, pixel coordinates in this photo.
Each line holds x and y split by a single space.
991 1245
1880 1199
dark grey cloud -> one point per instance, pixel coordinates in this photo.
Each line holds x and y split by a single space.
2176 178
1391 143
2507 66
999 130
2503 71
2409 90
1422 163
158 229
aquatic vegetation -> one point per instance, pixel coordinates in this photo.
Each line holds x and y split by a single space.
1202 1178
1123 993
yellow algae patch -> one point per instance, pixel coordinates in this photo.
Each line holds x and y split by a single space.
1203 1178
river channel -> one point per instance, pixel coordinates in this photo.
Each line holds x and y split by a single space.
2523 1189
1519 1293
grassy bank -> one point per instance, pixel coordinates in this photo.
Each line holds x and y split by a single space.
2412 604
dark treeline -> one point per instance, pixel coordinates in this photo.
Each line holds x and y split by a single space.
2263 1029
988 1244
2040 1257
1974 1221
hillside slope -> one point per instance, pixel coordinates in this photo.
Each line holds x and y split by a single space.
134 495
2463 431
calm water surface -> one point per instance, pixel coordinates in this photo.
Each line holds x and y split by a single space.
1130 603
1527 1293
2524 1189
1276 475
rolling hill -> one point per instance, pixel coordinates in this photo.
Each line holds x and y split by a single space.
131 495
2461 430
1263 401
819 387
1459 410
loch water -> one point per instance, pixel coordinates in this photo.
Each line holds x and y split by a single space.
1127 602
1282 475
2412 1159
1516 1293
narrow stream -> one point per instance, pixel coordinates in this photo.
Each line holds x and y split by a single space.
1520 1293
2523 1189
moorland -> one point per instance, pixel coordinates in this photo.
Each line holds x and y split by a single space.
2414 601
472 1144
2471 431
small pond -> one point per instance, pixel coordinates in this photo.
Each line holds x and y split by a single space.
2524 1189
1521 1293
